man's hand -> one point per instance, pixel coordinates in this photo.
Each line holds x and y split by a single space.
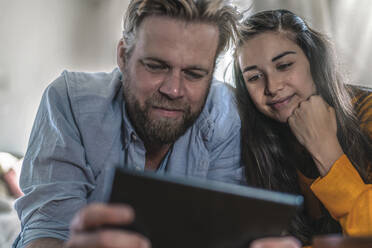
314 124
282 242
85 228
45 243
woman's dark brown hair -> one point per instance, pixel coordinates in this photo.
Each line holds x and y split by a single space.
270 152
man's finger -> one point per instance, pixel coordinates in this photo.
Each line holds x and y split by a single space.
96 215
108 238
282 242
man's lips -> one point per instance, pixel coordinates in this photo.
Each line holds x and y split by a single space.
279 103
168 112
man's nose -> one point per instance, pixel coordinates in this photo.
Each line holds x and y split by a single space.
172 86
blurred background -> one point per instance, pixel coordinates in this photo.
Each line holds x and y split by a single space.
40 38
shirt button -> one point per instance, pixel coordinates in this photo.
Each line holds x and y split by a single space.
134 137
204 164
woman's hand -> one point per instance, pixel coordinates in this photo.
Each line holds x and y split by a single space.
314 124
282 242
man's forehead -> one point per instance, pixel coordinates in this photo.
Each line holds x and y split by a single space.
154 24
165 20
166 36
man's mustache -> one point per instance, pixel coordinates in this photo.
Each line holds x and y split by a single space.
159 101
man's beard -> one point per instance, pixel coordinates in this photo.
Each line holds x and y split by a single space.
159 131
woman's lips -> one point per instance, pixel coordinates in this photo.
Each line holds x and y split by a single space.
280 103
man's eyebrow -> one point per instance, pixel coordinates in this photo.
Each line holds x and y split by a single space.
282 55
252 67
154 60
190 68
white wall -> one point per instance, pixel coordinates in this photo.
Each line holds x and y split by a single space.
40 38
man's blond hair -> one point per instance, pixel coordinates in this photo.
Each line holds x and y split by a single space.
214 12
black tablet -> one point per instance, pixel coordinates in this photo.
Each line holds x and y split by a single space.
180 212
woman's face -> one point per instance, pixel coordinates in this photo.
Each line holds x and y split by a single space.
276 73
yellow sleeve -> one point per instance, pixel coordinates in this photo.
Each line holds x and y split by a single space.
347 198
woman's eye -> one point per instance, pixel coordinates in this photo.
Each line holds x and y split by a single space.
254 77
284 66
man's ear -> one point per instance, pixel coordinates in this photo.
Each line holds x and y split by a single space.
121 49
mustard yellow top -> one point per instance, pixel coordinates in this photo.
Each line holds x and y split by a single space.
342 191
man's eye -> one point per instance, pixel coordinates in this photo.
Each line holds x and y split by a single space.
193 75
282 67
155 67
255 77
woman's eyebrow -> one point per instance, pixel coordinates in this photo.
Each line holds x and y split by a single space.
282 55
249 68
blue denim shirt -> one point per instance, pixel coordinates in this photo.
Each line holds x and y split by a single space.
82 132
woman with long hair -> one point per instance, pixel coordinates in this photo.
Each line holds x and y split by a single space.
304 130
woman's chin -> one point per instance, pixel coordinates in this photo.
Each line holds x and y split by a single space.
280 115
282 118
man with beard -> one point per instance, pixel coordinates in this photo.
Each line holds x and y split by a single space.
158 111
